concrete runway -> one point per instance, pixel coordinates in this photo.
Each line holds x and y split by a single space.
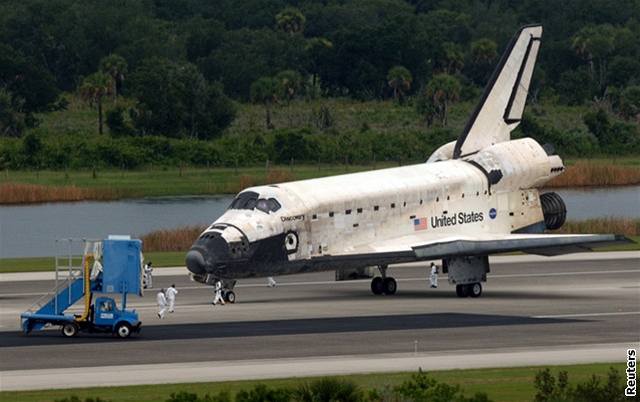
533 311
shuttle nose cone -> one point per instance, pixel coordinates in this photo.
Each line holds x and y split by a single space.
195 262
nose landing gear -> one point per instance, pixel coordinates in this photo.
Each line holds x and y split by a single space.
383 284
229 296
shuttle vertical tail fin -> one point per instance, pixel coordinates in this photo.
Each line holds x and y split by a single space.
500 109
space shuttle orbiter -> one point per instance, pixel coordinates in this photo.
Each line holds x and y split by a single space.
474 197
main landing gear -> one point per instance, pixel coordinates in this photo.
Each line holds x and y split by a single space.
469 290
383 284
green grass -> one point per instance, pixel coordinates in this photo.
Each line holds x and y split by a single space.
623 247
173 181
501 384
176 258
40 264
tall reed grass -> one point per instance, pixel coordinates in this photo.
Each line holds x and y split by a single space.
584 174
178 239
250 180
20 193
624 226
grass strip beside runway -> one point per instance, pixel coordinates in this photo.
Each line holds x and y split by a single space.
500 384
41 264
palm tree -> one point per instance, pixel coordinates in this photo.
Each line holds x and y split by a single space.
290 20
400 79
290 82
93 89
484 51
265 90
453 58
443 89
116 67
316 49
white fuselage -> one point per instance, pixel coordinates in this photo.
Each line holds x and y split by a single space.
335 215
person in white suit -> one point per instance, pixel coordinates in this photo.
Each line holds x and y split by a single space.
148 275
218 294
433 278
171 297
161 299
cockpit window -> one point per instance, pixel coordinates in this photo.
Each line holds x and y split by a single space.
263 205
246 200
274 205
268 205
250 200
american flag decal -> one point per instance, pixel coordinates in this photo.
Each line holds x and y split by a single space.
420 224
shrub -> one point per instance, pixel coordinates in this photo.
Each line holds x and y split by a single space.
184 396
116 122
328 390
262 393
74 398
557 389
423 388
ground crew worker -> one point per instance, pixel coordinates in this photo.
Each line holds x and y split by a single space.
171 297
161 299
271 282
433 278
148 276
218 295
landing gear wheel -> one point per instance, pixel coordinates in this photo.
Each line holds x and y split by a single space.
462 290
389 286
123 330
230 297
377 285
475 289
70 329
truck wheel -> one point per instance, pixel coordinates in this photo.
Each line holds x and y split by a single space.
230 297
123 330
70 329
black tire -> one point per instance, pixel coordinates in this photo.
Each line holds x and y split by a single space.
230 297
475 289
377 285
123 330
389 286
70 329
462 290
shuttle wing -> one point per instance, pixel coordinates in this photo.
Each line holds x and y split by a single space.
428 247
502 103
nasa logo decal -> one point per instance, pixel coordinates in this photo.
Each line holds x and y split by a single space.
291 242
493 213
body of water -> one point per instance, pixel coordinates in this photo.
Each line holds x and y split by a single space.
31 230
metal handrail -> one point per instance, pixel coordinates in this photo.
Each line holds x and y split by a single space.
66 270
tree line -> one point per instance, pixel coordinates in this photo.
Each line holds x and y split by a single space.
184 66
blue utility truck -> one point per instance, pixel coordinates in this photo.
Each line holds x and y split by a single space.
108 267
